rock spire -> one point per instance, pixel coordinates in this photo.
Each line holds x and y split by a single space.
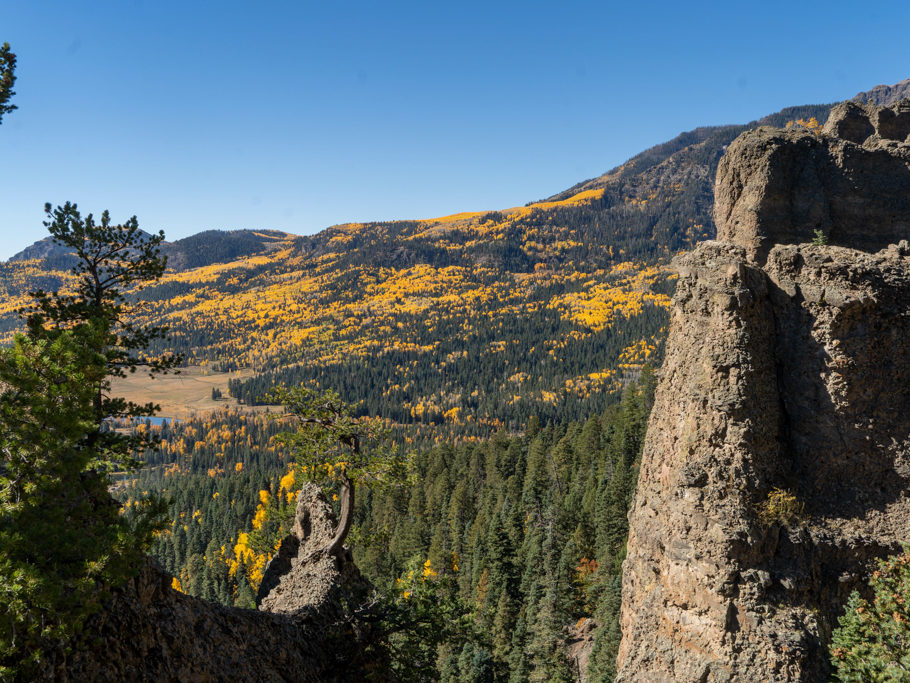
787 368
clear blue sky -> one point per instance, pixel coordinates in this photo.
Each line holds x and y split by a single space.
298 115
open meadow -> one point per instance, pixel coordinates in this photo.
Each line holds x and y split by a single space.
182 394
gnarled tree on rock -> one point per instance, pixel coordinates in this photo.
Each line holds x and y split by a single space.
334 447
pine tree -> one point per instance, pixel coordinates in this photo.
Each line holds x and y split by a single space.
57 525
331 443
7 79
602 665
62 538
536 482
612 522
110 260
245 597
872 641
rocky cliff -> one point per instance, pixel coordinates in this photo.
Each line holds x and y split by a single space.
305 630
787 367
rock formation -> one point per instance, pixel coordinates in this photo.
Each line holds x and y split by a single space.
852 182
306 628
302 574
787 367
580 645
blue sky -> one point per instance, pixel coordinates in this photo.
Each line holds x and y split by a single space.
299 115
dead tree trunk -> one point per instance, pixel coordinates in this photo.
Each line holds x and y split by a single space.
345 518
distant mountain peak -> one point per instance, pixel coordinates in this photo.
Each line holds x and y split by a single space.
201 249
885 95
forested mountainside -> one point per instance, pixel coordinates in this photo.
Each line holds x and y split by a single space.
475 320
524 532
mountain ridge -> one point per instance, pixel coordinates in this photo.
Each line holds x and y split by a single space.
885 95
652 156
547 306
186 253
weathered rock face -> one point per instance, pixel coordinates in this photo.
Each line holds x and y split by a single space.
150 632
852 182
580 645
787 366
301 575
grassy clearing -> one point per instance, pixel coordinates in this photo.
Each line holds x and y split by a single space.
181 395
